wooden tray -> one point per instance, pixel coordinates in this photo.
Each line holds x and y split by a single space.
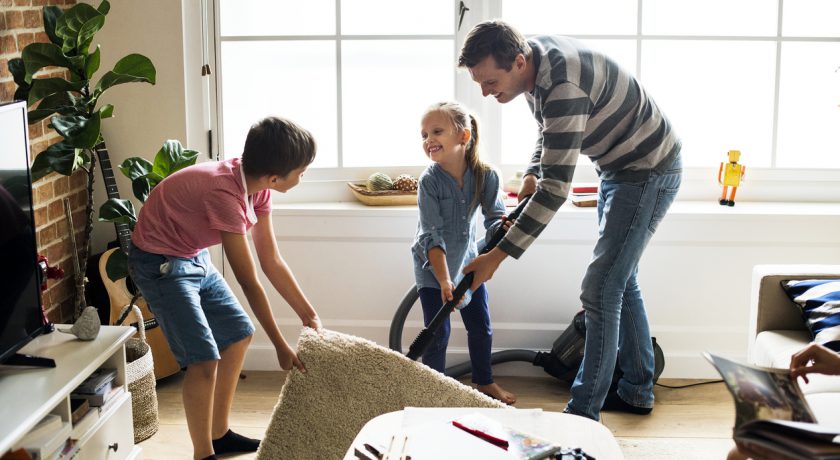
382 198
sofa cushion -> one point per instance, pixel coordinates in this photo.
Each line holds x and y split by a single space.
820 304
774 348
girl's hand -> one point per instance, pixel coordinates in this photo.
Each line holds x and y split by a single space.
289 359
446 290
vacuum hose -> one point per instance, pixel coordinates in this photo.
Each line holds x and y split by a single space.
396 332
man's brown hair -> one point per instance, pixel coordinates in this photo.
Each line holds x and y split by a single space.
493 38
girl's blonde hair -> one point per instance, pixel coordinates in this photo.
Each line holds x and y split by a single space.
462 119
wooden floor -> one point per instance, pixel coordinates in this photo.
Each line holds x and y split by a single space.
689 423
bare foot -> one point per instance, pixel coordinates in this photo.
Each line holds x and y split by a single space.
494 391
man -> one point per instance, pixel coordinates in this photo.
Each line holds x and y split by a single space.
585 104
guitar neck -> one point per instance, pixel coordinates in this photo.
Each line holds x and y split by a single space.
123 230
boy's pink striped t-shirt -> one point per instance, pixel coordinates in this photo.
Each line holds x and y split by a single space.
186 212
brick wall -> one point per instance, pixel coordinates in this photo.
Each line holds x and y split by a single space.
21 23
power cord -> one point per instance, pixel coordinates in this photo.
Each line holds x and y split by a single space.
689 385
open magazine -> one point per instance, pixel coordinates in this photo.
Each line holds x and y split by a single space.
772 415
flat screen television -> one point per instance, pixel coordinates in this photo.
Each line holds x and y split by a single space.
21 318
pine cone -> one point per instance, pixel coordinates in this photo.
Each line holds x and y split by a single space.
405 183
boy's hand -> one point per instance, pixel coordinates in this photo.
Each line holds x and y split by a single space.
314 323
288 359
528 187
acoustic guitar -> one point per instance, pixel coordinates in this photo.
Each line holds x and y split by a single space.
119 294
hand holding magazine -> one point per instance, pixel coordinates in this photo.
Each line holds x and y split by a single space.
771 414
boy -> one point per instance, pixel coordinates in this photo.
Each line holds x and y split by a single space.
206 327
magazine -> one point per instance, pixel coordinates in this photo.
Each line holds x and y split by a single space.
772 415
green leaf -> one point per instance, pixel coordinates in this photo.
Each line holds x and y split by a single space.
172 157
118 211
78 131
132 68
77 27
141 187
107 111
92 63
62 103
51 15
43 87
116 267
39 55
135 167
87 32
18 71
59 157
104 7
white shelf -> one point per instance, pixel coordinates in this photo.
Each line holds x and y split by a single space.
28 394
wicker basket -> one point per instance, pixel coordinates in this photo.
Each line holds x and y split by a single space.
140 377
384 197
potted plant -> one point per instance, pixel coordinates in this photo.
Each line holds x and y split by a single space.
72 103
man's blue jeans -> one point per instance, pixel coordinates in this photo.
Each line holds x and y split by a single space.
616 323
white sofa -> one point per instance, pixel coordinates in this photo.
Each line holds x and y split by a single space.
777 330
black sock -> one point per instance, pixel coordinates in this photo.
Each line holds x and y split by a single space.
210 457
615 403
232 442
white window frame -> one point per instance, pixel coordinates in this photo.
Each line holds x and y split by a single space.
328 184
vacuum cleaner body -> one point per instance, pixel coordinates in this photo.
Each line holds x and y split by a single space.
566 354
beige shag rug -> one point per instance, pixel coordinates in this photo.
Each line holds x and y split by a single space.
349 381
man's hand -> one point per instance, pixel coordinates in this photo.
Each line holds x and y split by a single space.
484 266
288 358
528 187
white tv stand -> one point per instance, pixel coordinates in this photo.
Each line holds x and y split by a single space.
28 394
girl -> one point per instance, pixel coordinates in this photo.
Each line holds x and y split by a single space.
450 191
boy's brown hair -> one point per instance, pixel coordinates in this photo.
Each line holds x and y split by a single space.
277 146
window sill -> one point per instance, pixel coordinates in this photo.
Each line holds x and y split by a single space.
687 208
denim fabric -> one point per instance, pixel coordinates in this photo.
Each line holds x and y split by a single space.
476 317
196 310
446 221
616 322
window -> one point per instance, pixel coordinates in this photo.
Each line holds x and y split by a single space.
760 76
358 74
729 75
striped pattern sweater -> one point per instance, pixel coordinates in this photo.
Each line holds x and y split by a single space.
586 104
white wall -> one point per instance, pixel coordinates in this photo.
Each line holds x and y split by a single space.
354 264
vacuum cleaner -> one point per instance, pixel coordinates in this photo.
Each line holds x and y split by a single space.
562 362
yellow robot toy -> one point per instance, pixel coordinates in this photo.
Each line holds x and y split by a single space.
730 175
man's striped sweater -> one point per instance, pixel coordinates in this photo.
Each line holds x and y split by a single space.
586 104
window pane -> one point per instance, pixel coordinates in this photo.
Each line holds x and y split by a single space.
520 129
811 18
710 17
387 85
718 95
809 106
387 17
571 17
292 79
276 17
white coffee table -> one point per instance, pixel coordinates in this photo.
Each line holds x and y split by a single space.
431 435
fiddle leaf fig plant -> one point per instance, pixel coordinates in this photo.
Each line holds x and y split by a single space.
73 103
144 176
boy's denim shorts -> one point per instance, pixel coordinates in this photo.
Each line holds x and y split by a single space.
197 311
